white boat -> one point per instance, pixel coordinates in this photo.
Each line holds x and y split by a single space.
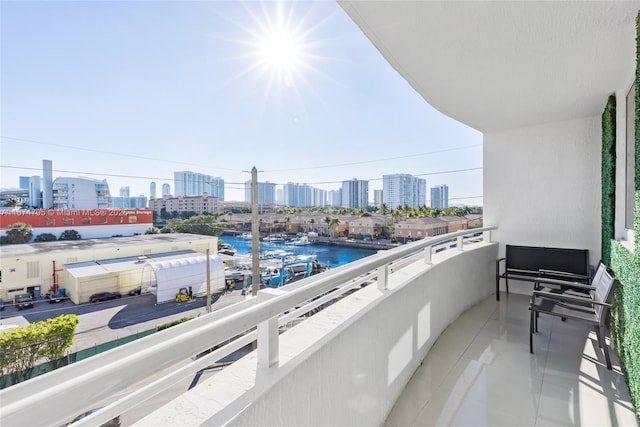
245 236
301 241
227 249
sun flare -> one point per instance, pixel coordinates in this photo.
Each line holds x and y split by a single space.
281 52
280 48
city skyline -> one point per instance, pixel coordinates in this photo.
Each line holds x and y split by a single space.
405 190
217 88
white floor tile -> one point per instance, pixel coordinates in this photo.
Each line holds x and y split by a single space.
480 373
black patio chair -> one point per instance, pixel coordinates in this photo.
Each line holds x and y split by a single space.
589 308
573 283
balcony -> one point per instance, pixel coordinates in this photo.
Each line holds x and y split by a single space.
479 372
377 349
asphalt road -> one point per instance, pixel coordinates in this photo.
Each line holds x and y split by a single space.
106 321
110 320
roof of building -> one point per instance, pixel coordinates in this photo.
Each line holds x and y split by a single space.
421 220
115 265
110 242
452 218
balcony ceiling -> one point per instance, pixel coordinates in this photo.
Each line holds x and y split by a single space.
502 65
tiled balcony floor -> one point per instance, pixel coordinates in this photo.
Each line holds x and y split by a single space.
480 373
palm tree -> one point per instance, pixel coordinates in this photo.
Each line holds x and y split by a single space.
13 202
332 224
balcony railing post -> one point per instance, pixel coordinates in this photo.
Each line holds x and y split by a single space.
383 276
486 236
427 254
460 242
268 342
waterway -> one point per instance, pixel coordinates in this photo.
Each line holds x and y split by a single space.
332 256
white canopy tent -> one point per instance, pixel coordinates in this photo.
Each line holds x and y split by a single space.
164 279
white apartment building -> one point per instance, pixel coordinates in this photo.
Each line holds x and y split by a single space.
355 193
187 183
440 196
81 193
403 189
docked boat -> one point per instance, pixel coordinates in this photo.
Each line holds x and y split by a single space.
227 249
302 241
278 269
246 236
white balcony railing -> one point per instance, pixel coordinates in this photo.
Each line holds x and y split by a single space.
60 395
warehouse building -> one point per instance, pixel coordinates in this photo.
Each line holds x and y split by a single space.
83 267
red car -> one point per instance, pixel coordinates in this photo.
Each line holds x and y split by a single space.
104 296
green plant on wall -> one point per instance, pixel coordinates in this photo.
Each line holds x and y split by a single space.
608 177
625 312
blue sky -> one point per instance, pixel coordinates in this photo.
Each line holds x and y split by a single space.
133 91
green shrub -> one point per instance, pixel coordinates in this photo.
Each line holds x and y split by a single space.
174 323
21 348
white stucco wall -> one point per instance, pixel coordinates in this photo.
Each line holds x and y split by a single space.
347 364
542 186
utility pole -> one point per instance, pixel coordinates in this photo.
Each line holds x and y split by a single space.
255 233
208 283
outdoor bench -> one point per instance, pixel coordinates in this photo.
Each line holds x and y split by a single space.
527 263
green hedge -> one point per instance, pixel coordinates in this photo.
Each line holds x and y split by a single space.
608 177
625 313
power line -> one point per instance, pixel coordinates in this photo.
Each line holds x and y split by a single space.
228 185
386 159
113 153
378 160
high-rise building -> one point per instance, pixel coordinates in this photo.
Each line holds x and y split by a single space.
216 188
35 192
47 184
403 189
440 197
318 197
355 194
152 190
24 182
377 198
266 192
124 191
139 202
166 190
334 197
187 183
81 193
297 195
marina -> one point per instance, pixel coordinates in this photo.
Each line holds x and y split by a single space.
282 262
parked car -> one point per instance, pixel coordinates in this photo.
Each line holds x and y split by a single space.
24 303
54 298
135 291
104 296
114 422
